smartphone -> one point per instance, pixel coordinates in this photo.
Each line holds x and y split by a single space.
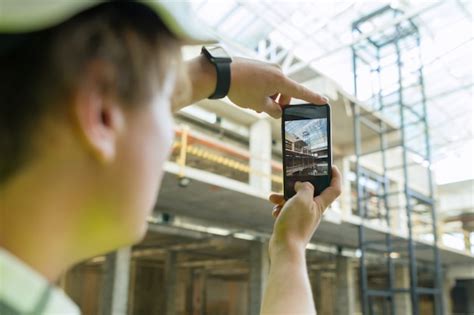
307 156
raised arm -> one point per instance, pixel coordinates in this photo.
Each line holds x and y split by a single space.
288 289
254 84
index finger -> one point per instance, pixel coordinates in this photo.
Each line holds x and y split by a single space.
294 89
277 199
332 192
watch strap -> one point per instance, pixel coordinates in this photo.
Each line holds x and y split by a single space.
222 79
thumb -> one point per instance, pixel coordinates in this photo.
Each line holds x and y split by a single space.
305 190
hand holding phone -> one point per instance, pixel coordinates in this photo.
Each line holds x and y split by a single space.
299 217
296 221
307 154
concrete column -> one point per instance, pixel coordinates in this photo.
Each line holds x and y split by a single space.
132 285
199 293
402 281
116 282
327 294
170 278
189 291
261 155
346 196
259 268
317 289
448 285
345 290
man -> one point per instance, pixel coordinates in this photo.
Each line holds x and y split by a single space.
86 97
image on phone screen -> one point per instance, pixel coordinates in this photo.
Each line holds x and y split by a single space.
306 147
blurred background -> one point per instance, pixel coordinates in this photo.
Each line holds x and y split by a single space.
399 240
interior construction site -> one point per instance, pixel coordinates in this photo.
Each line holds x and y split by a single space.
399 240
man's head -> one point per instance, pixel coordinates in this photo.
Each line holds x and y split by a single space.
85 110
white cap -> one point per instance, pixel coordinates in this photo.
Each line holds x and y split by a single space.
22 16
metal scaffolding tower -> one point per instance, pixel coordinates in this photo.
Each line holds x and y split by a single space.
388 73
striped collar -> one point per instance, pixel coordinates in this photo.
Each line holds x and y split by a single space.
25 291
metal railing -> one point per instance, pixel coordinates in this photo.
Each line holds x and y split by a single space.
192 149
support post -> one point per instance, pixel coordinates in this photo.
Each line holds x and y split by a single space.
261 155
259 267
189 291
199 292
448 285
345 283
328 293
116 282
171 274
317 290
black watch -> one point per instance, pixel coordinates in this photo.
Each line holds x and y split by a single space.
221 60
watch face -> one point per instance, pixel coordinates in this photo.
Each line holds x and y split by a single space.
218 53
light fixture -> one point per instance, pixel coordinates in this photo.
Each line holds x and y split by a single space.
394 255
184 182
217 231
244 236
311 246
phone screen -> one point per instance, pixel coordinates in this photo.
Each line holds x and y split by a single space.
306 146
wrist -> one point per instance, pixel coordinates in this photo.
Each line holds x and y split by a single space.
287 250
205 82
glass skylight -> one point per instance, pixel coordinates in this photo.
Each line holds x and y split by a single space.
320 34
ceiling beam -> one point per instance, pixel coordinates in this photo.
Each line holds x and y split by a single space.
213 263
357 40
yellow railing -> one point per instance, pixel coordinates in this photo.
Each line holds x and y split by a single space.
189 144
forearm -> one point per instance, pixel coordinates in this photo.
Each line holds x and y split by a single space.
202 77
288 289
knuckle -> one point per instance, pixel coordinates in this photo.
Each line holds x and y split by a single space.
307 185
278 76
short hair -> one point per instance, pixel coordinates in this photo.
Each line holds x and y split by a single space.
41 72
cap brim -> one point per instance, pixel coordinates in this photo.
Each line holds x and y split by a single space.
22 16
179 19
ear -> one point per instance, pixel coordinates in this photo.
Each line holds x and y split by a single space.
99 117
